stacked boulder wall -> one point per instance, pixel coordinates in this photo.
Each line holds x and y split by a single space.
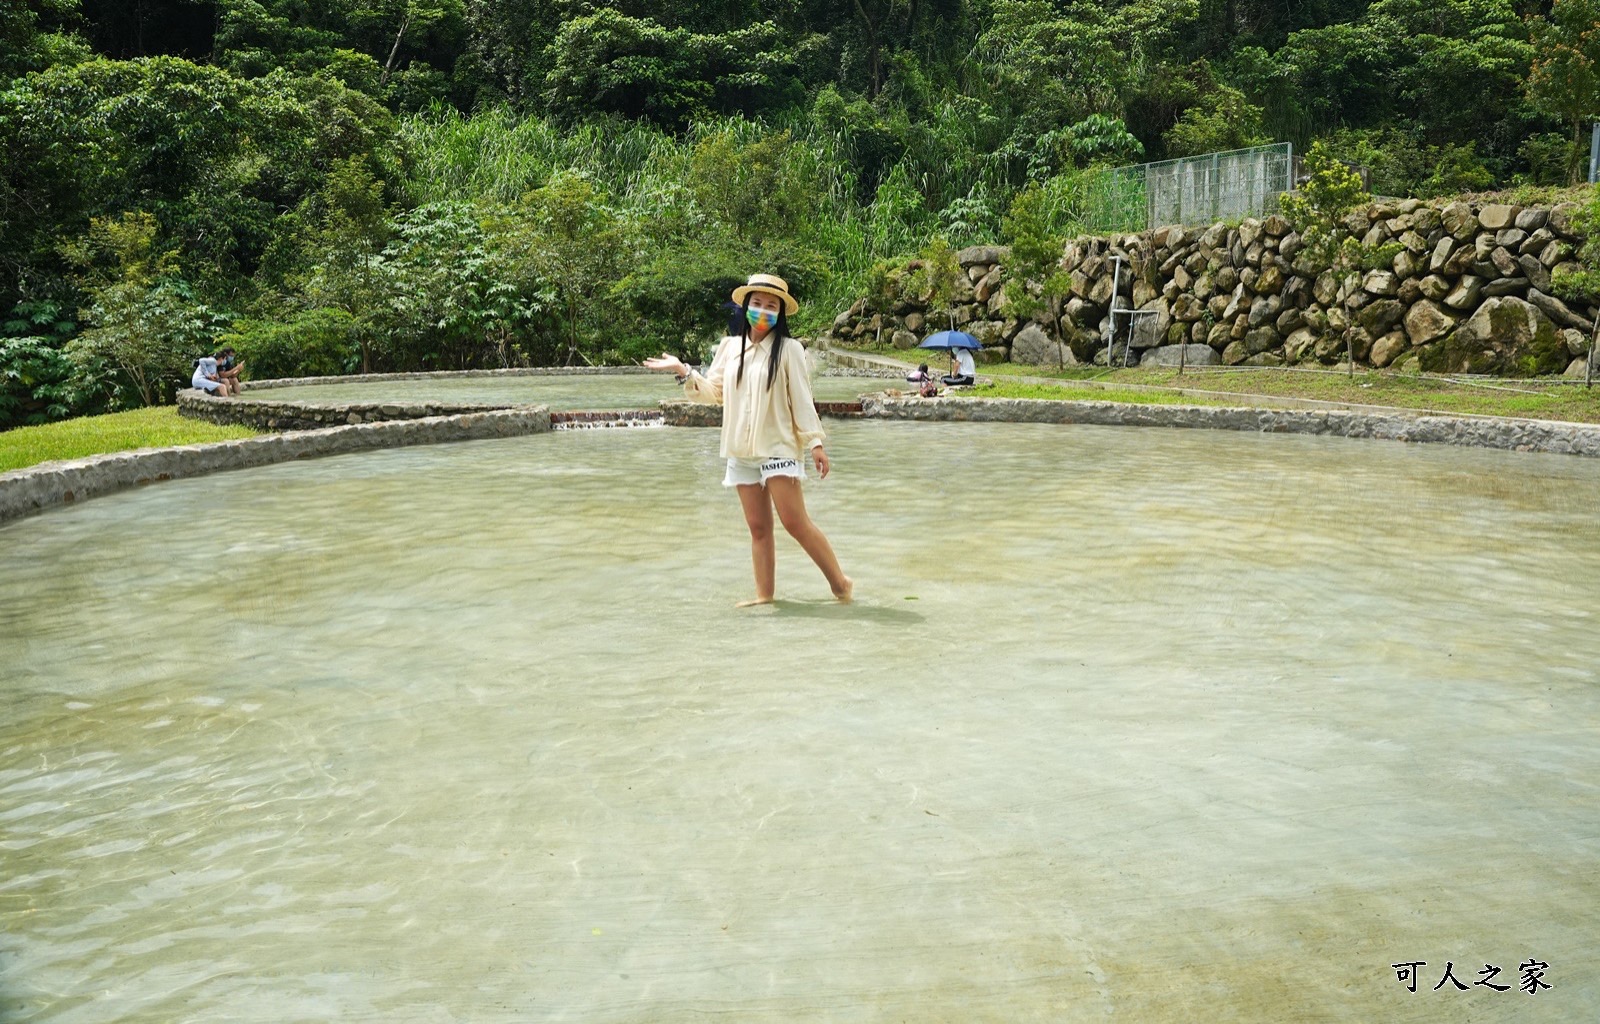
1505 335
1467 289
1034 346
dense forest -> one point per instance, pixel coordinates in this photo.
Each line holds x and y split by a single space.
394 184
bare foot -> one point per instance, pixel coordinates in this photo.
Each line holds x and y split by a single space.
847 594
753 602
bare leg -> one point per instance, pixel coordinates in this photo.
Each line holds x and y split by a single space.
763 552
791 505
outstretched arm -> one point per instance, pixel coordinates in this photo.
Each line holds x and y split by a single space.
670 363
697 387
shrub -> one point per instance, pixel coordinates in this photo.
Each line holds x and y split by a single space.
316 343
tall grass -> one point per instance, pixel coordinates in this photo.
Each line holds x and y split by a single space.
496 155
942 183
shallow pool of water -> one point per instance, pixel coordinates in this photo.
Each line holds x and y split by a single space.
601 391
1127 724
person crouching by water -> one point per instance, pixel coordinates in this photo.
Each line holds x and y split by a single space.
758 375
926 386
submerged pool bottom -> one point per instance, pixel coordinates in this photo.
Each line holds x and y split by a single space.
1154 726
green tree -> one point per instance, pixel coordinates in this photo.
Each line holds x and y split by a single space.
403 19
146 326
298 343
1223 119
1320 211
1453 67
461 288
756 183
1402 165
609 63
575 246
361 43
352 225
32 36
1042 62
215 159
933 281
1564 77
746 197
38 381
1035 283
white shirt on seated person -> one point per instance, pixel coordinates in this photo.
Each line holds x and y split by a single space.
204 370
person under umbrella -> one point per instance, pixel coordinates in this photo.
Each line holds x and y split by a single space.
963 370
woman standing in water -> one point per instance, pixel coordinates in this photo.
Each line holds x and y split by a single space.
769 422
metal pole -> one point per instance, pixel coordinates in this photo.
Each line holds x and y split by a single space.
1594 154
1133 317
1588 364
1288 174
1116 286
1216 188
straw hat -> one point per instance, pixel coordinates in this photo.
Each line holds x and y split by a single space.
771 285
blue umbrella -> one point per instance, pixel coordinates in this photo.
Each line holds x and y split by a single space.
950 339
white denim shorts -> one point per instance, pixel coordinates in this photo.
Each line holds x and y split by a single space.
759 471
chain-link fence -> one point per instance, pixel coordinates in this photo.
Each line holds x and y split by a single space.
1193 190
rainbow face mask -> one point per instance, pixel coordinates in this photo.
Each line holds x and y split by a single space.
761 320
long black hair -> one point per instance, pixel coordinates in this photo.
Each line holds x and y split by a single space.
779 332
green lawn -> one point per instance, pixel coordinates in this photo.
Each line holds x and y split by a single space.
1552 401
1543 399
119 431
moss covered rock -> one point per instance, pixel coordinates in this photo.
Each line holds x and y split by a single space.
1506 336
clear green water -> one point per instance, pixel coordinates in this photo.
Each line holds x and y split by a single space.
635 391
1131 724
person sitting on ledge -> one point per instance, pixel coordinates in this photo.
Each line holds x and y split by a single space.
962 369
209 378
229 368
920 375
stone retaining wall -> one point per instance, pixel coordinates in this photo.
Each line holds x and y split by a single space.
681 413
24 492
263 414
581 416
1477 432
1464 288
838 409
521 371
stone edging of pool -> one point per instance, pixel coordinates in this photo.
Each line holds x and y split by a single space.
520 371
26 492
1551 436
265 414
